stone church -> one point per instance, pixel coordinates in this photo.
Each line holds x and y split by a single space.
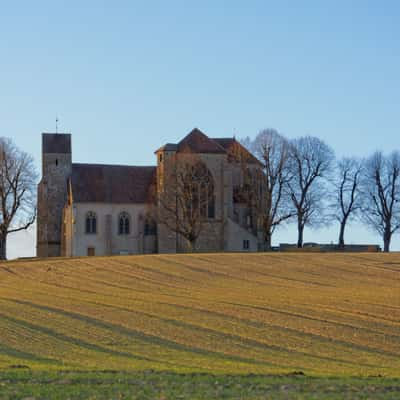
96 209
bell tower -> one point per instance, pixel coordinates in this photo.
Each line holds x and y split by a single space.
52 192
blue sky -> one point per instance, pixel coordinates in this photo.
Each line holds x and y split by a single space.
124 77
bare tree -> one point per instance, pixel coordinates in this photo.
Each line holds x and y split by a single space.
17 192
310 162
381 195
266 190
187 198
346 201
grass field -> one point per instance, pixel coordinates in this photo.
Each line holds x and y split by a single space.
166 385
321 314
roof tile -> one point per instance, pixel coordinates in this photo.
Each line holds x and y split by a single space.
100 183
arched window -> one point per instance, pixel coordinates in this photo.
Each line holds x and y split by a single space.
124 224
91 222
204 197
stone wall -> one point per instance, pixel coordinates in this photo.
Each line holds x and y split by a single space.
210 238
107 240
212 235
228 230
236 235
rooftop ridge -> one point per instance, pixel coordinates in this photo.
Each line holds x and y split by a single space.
112 165
198 142
56 133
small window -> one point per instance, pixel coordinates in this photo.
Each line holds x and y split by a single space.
246 244
124 224
160 158
56 161
91 223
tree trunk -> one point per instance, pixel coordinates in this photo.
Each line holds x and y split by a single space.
300 230
341 235
268 240
191 245
3 247
387 236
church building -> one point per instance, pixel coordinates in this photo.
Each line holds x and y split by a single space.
97 209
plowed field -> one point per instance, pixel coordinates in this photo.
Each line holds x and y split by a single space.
321 314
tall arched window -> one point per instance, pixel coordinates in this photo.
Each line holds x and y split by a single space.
91 222
124 224
204 197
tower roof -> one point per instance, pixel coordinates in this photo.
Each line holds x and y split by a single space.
198 142
56 143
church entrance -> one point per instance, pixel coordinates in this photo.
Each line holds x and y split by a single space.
91 251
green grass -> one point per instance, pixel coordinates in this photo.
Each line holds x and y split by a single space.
165 385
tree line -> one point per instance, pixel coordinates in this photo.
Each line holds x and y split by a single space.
301 181
295 181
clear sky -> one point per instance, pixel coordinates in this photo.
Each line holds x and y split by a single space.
124 77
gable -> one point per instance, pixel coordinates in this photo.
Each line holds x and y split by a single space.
197 142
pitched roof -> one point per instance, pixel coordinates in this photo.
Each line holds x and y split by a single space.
197 142
226 143
167 147
56 143
100 183
236 149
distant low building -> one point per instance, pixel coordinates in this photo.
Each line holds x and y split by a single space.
321 247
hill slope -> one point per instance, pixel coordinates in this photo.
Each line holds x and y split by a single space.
328 314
